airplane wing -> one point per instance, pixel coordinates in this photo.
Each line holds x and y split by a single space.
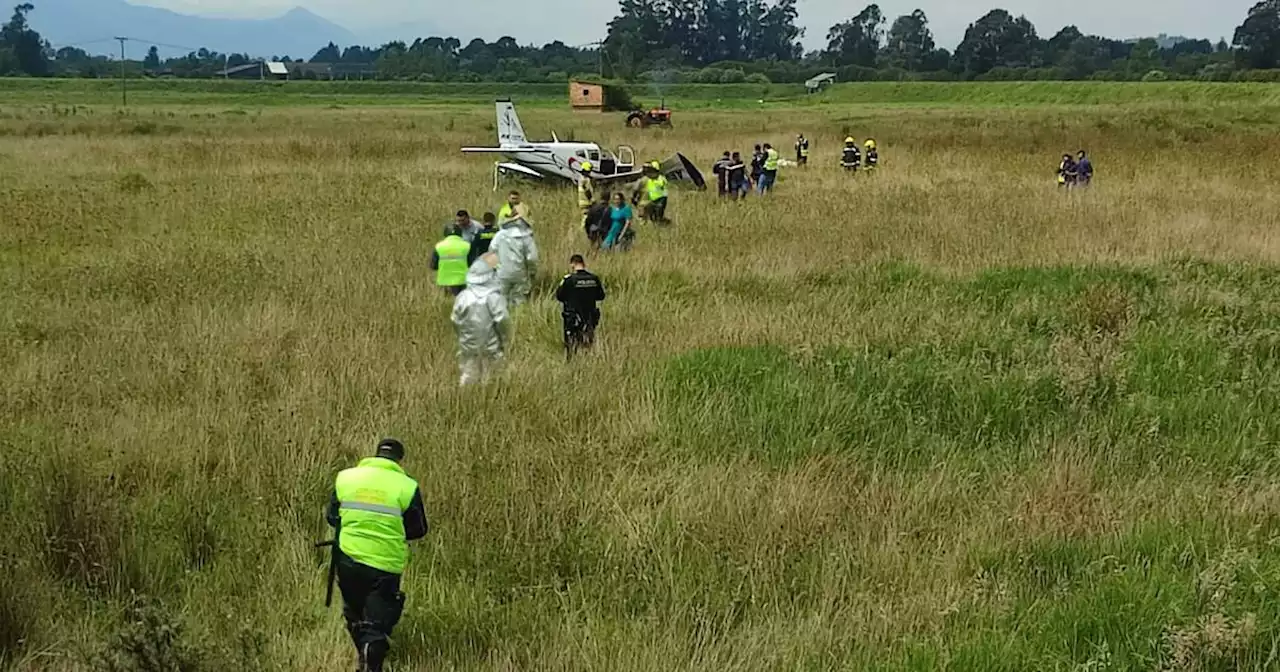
505 150
680 169
517 168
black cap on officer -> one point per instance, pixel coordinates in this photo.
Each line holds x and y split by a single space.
391 449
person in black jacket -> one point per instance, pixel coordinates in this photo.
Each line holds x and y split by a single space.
739 185
483 238
721 170
578 294
757 165
598 220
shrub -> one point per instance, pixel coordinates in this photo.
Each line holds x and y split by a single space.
733 77
1156 76
709 76
758 78
150 641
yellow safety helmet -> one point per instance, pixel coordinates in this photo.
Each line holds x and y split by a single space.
585 166
850 141
871 144
655 165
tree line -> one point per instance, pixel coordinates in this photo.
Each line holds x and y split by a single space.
729 41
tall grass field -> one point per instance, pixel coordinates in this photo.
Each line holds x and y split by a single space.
943 418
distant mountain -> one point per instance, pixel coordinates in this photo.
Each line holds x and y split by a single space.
85 23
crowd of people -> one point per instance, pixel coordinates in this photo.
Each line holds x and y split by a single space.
609 218
489 268
736 178
1075 171
733 181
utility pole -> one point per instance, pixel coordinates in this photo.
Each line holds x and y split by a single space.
124 79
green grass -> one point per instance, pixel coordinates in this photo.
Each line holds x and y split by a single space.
943 418
358 93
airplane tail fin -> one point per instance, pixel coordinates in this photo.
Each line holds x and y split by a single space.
510 132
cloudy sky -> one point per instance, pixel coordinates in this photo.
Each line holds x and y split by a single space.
583 21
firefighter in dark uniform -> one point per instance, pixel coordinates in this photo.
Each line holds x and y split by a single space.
851 158
578 294
872 156
1067 172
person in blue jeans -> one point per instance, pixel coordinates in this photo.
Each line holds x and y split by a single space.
620 216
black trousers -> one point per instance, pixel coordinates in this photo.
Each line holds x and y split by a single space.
579 331
371 604
656 211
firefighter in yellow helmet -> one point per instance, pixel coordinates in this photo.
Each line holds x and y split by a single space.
585 189
654 190
871 155
851 157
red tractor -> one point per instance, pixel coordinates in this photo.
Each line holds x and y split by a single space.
659 116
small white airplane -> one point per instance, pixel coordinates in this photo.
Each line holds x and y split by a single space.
560 160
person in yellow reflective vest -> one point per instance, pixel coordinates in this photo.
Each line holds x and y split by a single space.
802 150
770 175
449 261
515 208
871 156
376 509
655 194
585 190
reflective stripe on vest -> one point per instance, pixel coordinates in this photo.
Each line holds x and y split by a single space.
372 499
372 508
771 161
657 188
452 271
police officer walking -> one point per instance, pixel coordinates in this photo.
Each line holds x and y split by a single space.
802 150
578 294
449 261
376 509
484 238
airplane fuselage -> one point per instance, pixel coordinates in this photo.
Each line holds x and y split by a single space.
558 159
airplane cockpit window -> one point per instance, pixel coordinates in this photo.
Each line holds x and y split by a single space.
595 156
580 154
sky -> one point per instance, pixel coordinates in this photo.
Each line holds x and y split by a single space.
583 21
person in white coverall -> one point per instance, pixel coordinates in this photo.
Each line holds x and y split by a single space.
517 260
481 321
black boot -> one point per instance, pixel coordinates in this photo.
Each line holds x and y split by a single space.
374 653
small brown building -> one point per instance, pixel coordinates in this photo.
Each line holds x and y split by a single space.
586 96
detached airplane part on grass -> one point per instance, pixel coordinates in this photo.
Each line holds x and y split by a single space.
559 161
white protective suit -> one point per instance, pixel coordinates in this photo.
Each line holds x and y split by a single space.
517 260
482 323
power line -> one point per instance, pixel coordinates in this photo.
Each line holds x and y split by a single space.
124 79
